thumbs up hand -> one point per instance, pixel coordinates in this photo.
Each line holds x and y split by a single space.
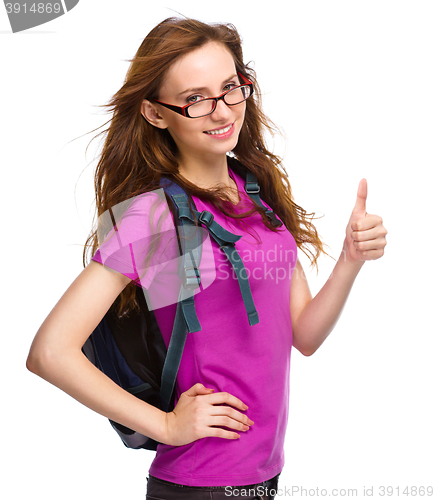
365 233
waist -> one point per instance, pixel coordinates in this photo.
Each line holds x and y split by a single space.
214 488
270 484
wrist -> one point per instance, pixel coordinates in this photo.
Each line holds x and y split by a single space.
152 423
354 265
167 426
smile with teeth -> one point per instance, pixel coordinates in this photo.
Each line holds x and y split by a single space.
220 131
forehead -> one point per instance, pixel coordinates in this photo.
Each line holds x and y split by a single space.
206 66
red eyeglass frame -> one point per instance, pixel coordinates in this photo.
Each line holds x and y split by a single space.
183 110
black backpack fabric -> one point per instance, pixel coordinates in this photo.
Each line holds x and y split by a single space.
131 351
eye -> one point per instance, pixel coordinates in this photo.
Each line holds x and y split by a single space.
194 98
229 86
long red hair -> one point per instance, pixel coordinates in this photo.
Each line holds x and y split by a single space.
135 154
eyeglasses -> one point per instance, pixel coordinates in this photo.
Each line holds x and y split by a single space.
206 106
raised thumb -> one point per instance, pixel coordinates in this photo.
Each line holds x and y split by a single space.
361 197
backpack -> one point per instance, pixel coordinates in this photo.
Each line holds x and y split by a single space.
130 350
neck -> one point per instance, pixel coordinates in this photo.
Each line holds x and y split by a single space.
206 175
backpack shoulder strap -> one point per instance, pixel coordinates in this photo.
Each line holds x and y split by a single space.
186 318
226 241
252 188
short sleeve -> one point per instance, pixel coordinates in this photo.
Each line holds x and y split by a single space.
137 237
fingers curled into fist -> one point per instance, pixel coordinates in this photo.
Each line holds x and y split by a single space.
365 233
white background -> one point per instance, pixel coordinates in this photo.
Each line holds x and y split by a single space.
352 86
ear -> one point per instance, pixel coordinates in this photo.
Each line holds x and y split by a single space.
151 114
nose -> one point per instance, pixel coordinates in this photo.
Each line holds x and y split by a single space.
221 112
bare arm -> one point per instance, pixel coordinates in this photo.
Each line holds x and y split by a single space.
56 356
314 318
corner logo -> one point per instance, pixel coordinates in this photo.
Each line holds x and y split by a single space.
28 14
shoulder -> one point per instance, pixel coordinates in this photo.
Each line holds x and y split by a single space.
149 203
139 213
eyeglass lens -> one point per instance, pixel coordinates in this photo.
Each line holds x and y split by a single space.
233 97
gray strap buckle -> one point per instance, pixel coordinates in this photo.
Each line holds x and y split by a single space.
191 278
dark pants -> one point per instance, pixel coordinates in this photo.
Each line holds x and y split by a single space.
157 489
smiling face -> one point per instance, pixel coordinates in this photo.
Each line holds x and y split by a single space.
205 72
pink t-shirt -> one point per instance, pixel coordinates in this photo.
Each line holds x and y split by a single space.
250 362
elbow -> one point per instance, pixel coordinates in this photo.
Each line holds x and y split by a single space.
304 347
308 350
39 361
30 364
48 360
306 343
34 361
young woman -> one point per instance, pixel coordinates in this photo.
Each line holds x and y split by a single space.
190 110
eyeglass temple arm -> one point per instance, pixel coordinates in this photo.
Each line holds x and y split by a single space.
245 80
177 109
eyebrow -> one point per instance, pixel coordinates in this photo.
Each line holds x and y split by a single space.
199 89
